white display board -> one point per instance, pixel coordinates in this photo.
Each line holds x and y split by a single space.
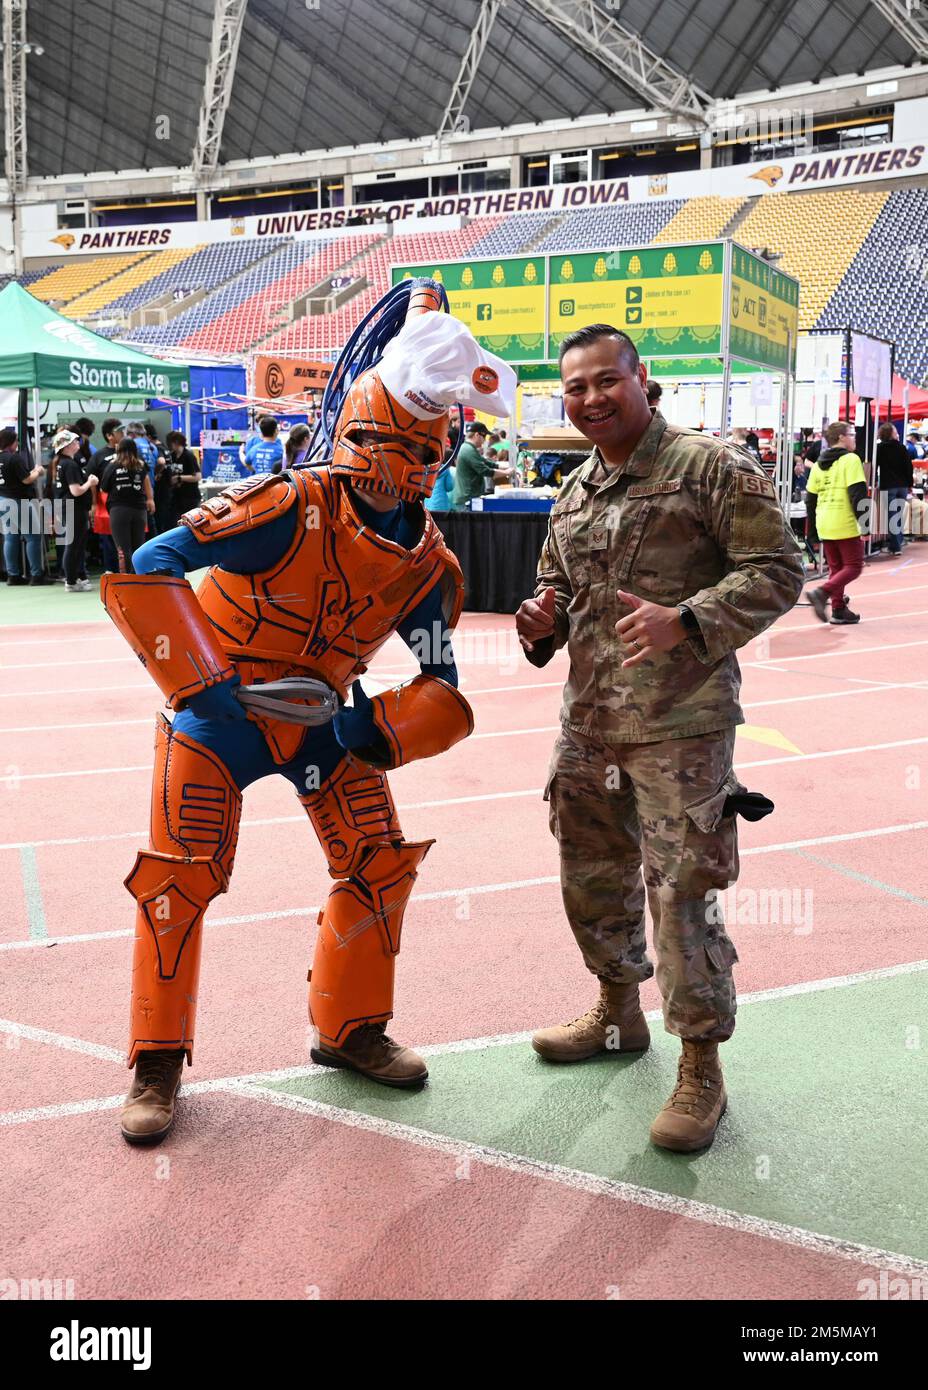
871 360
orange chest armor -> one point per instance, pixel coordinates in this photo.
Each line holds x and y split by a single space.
330 602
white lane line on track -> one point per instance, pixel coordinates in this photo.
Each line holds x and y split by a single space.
458 1045
871 687
471 890
828 656
91 691
591 1184
125 657
776 631
505 733
42 1035
576 1179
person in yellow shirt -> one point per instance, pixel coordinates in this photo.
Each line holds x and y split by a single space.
836 494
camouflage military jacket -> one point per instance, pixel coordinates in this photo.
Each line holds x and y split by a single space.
687 519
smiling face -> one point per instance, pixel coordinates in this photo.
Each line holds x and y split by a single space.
605 397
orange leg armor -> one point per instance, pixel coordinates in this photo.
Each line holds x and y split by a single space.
195 814
351 981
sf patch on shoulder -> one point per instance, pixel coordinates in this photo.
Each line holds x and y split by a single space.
756 485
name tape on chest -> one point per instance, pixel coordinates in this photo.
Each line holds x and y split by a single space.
756 486
654 489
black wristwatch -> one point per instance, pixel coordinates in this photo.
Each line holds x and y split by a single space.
688 619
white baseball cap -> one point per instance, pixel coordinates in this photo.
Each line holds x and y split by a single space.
434 362
62 439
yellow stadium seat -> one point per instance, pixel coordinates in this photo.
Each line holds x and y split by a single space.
815 235
75 278
701 219
92 301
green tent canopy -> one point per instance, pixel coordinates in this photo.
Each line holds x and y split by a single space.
42 350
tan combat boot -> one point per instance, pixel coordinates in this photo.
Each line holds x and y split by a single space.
149 1109
691 1116
368 1050
614 1024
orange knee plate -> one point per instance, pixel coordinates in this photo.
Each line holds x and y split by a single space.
196 810
359 936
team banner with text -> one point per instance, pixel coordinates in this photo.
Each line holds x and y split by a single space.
285 376
764 311
668 299
502 302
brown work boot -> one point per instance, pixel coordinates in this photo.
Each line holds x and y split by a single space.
149 1109
691 1116
367 1049
614 1024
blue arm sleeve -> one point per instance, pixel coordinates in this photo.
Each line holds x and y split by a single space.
429 639
177 551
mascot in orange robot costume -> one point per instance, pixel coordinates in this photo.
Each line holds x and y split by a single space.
311 571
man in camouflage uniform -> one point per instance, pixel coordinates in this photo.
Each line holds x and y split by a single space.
667 550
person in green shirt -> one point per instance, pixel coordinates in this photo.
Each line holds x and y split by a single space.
836 493
472 469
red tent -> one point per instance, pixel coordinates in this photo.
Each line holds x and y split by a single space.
918 400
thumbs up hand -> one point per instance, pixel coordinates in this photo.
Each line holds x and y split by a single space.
535 619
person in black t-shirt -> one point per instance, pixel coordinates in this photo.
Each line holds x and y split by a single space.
896 477
112 431
185 475
74 500
18 513
127 484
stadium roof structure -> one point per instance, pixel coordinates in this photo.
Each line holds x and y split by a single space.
123 85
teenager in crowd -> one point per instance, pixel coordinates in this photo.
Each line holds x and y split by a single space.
129 498
836 494
297 448
185 473
18 515
74 499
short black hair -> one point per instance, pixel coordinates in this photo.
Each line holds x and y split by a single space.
109 426
150 430
585 337
175 437
8 436
83 426
476 427
268 426
654 391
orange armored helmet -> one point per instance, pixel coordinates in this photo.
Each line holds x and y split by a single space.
383 446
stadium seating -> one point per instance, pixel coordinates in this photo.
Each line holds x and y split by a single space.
102 299
815 236
885 288
514 234
319 334
256 317
701 219
240 271
853 251
623 224
76 277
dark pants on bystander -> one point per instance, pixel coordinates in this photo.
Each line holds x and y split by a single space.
845 562
128 525
74 551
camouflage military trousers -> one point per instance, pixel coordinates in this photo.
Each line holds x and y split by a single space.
648 816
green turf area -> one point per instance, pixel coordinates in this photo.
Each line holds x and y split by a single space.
25 606
828 1111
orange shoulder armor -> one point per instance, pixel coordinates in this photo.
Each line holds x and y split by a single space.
160 618
418 720
252 502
